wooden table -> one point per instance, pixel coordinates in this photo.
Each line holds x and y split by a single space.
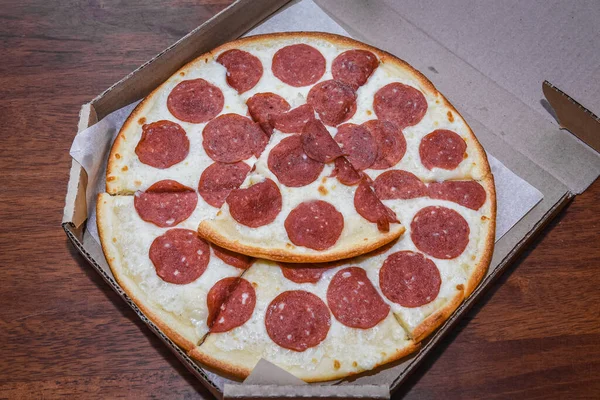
536 334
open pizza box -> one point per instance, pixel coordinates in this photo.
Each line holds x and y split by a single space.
538 166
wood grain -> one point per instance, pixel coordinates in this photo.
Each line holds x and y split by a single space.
63 332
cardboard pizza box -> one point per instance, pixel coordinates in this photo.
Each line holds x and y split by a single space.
492 76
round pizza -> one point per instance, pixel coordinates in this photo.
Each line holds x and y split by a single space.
299 197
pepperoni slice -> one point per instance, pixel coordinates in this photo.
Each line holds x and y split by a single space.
401 104
440 232
354 67
291 165
345 172
469 194
334 101
232 258
230 302
257 205
162 145
293 121
314 224
318 143
354 301
390 141
297 320
262 106
230 138
397 184
219 179
442 149
166 203
243 69
303 273
195 101
359 145
167 186
298 65
372 209
409 279
179 256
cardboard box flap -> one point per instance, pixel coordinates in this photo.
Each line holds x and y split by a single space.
217 30
75 210
564 156
573 116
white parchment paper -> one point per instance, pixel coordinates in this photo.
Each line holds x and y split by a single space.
515 197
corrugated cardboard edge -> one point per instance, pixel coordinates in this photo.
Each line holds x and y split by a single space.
240 392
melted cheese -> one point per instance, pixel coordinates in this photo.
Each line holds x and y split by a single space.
132 237
350 349
273 235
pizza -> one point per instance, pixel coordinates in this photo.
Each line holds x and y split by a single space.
299 197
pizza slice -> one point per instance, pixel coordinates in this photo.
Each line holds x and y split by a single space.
292 209
442 257
318 323
152 247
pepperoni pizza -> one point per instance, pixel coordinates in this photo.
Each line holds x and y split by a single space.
297 148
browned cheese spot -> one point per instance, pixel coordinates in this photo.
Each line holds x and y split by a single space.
114 240
117 156
124 168
142 121
111 178
182 73
137 183
450 116
484 218
323 190
369 112
460 287
354 364
336 364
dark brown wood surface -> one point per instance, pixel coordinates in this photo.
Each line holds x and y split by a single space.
536 334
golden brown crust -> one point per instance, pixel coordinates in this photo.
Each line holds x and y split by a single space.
113 258
432 322
490 239
210 233
227 368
